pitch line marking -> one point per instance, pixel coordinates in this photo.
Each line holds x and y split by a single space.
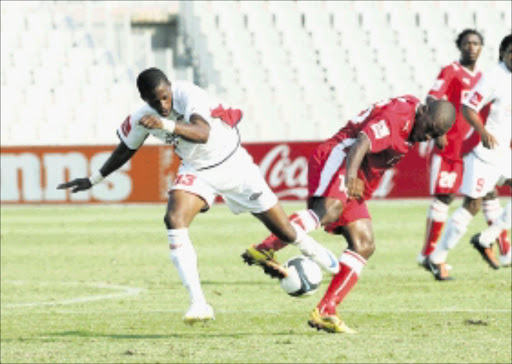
125 292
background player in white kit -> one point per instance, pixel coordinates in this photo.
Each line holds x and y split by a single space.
488 163
213 163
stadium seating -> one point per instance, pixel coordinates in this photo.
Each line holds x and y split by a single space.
298 69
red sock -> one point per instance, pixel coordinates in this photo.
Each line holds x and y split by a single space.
503 243
274 243
434 229
351 265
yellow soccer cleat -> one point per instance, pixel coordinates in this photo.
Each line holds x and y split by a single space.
330 323
265 259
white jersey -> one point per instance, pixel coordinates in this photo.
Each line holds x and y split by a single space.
494 87
187 99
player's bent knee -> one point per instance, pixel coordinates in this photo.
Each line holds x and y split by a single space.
174 221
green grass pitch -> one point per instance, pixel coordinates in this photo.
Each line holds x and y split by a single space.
94 284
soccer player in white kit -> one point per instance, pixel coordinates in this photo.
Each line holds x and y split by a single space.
207 140
487 164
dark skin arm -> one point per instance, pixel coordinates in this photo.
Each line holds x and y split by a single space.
472 117
118 157
356 154
197 131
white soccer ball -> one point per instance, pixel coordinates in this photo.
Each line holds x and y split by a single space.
304 276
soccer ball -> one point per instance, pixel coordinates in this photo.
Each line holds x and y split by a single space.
304 276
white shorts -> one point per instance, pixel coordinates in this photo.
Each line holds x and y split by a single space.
238 180
480 177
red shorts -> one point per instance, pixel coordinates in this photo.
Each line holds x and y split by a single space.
445 175
326 178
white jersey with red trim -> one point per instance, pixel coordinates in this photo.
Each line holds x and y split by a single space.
187 99
494 88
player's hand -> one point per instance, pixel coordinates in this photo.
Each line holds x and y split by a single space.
441 142
78 184
355 187
151 122
488 140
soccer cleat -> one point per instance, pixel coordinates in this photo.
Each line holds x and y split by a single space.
486 253
330 323
265 259
438 270
320 255
505 259
420 259
199 312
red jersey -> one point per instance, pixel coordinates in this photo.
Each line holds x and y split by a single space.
388 126
453 84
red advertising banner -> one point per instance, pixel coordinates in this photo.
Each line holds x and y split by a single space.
31 174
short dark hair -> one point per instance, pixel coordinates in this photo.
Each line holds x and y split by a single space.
504 44
466 32
149 79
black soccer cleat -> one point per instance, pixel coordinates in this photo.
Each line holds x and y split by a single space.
439 271
486 253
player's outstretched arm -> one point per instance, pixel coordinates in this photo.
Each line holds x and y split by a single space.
473 118
118 157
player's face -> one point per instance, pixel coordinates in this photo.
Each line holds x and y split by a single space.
470 48
161 99
424 128
507 57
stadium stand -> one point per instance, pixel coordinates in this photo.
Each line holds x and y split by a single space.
298 69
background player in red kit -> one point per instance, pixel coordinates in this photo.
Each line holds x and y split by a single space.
343 172
446 166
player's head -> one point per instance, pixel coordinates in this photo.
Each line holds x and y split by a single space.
432 120
155 89
506 51
469 42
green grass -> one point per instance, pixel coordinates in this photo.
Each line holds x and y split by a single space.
56 260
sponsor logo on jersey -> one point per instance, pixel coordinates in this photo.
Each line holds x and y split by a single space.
380 129
126 126
476 99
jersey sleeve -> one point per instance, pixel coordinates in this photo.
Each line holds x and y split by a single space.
379 132
131 132
481 94
441 84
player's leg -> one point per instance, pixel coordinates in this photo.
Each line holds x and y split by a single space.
325 176
436 218
489 235
445 180
188 197
359 236
455 230
492 211
289 231
479 178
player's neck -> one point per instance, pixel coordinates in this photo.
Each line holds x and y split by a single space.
470 65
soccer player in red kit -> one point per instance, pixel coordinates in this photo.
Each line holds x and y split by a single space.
343 172
446 166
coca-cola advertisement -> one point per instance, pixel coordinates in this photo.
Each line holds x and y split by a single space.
31 174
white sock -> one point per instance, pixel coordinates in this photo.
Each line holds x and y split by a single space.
454 231
489 235
492 210
306 219
184 258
